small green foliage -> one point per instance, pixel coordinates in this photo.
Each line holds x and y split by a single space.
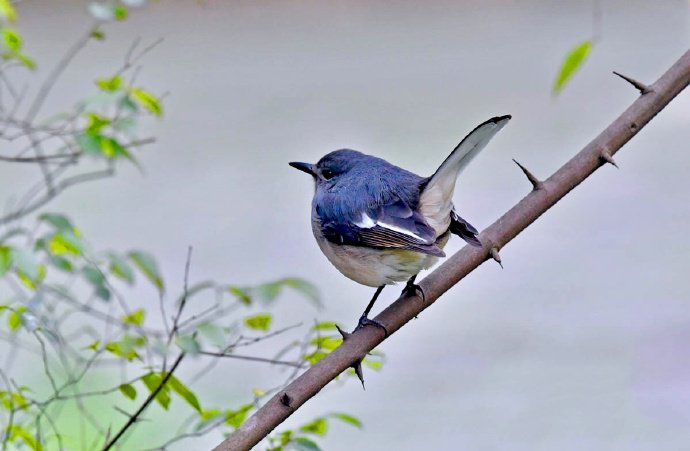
110 84
136 318
152 382
147 100
148 267
346 418
185 393
59 222
235 418
242 294
188 344
305 444
212 333
261 322
129 391
96 278
11 39
14 319
96 123
17 432
98 35
317 427
127 347
120 268
65 242
94 346
61 263
5 259
7 11
120 12
572 62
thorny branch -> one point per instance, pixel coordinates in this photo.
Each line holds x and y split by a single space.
544 195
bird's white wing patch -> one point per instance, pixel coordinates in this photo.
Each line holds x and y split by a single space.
368 223
401 230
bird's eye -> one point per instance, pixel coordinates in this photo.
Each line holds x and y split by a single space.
327 174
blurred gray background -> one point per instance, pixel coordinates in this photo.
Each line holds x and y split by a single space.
581 342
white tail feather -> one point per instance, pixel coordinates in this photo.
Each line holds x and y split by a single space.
436 200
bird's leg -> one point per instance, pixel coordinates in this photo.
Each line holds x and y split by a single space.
364 319
413 289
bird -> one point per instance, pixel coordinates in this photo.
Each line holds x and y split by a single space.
379 224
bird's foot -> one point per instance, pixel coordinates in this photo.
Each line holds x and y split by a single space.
364 321
412 289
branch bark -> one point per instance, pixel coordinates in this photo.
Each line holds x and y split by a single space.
544 195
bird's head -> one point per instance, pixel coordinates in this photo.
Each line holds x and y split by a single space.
335 166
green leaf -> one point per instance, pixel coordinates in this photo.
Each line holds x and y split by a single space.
88 143
326 342
147 100
25 60
147 265
96 123
60 222
184 392
324 325
268 291
120 268
95 277
213 333
572 62
7 11
152 382
18 432
235 418
14 320
346 418
129 391
308 289
65 243
126 348
98 35
61 263
261 322
305 444
188 344
318 427
5 259
120 12
32 283
11 39
315 356
242 294
109 84
94 346
135 318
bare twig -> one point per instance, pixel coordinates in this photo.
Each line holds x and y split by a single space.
507 227
134 417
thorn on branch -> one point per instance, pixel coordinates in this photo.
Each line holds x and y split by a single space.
494 254
607 158
285 400
643 88
536 183
357 366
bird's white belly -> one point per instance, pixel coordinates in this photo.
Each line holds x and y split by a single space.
376 267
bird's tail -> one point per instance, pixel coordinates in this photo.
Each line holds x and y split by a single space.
436 199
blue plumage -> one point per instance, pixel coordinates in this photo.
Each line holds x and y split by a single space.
380 224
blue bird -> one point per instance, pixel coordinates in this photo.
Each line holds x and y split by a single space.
379 224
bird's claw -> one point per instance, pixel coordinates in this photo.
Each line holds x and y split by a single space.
364 321
412 289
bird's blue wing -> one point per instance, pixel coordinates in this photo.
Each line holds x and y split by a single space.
393 225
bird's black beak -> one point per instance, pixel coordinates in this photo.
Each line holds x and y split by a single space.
304 167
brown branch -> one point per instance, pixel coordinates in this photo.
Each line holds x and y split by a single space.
507 227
